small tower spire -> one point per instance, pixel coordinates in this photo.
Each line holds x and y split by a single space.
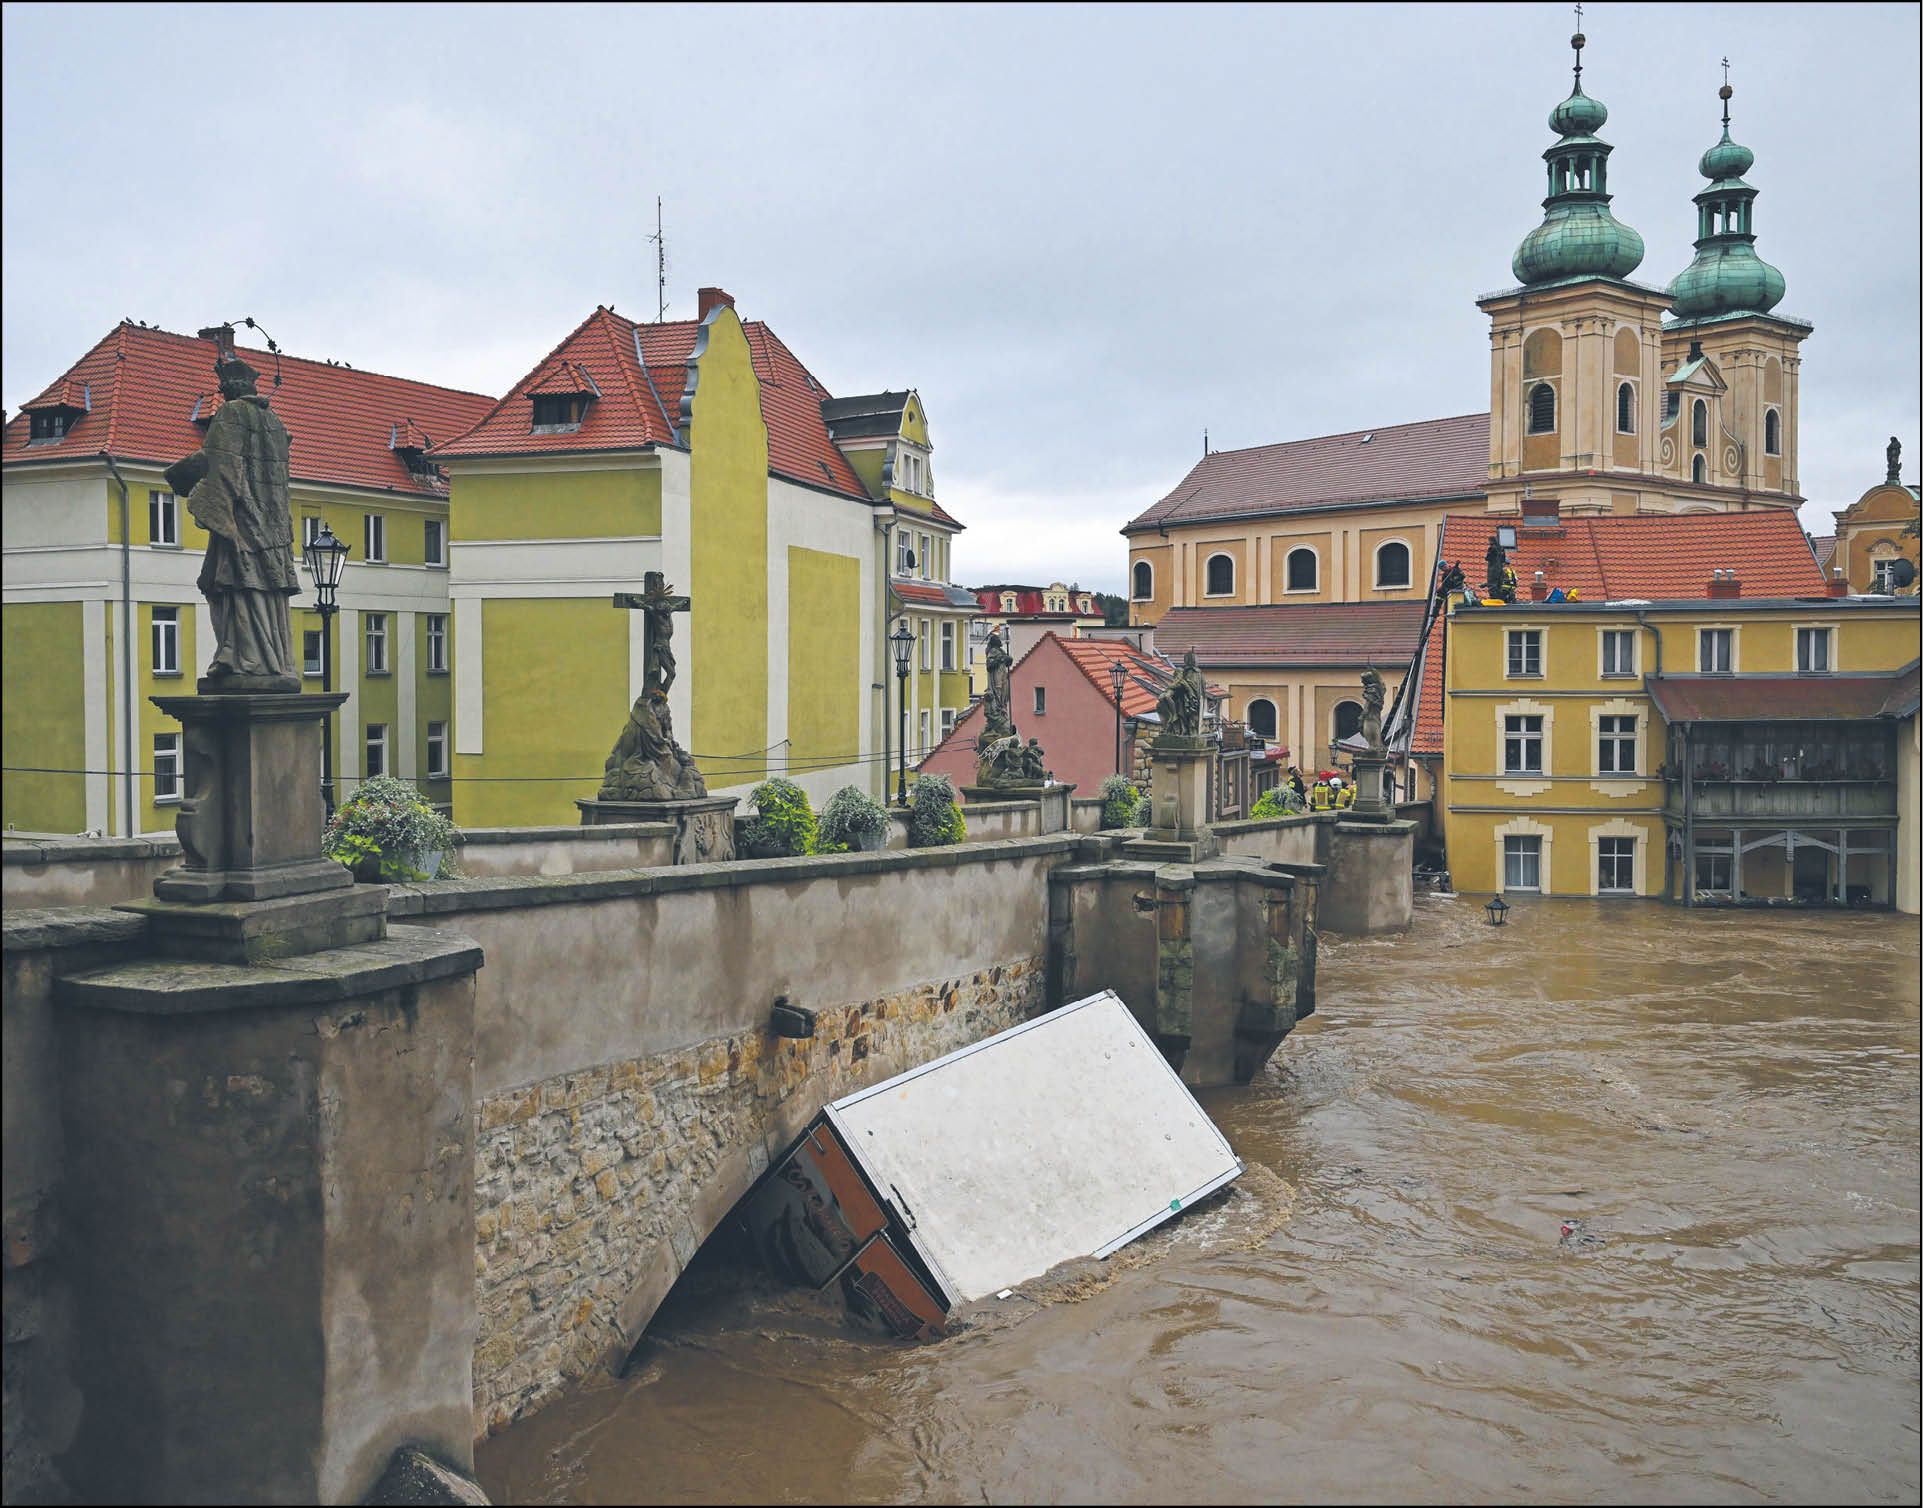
1724 93
1726 277
1577 42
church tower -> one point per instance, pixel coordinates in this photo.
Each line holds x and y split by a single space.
1575 349
1728 436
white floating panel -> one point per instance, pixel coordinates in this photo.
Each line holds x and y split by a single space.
1065 1137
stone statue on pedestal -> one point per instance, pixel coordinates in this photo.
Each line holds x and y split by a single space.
1180 707
236 488
997 720
1894 455
646 763
1373 692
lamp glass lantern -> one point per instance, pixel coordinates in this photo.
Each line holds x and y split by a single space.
1498 910
902 642
1117 674
326 560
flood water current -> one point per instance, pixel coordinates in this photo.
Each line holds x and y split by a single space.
1723 1107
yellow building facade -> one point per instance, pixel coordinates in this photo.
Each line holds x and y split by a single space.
1563 775
1876 531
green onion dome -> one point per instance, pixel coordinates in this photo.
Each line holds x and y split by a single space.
1726 277
1578 236
1579 115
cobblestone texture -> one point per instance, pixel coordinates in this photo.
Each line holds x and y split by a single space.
578 1178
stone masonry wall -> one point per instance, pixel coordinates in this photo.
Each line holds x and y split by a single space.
590 1182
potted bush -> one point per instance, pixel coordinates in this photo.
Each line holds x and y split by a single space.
1277 801
933 817
385 832
1119 800
783 823
852 822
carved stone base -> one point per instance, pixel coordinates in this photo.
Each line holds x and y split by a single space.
262 931
1369 803
1180 770
251 819
703 828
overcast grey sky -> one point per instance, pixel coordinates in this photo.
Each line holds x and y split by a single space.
1083 233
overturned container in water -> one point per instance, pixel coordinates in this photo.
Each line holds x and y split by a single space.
1065 1137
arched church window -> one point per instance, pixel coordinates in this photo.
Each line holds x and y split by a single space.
1772 433
1302 570
1699 470
1262 717
1542 409
1348 719
1392 564
1221 581
1625 409
1699 424
1144 581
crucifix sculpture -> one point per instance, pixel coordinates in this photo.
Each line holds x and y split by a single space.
657 604
647 764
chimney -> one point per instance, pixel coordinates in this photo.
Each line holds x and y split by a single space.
708 298
1839 584
1724 584
1539 588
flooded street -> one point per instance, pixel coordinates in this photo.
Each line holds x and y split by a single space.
1722 1107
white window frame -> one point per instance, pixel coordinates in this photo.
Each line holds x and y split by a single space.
374 538
374 642
947 721
1525 739
1773 412
1829 642
924 632
1529 408
434 541
1409 555
437 751
1603 641
1009 602
1135 579
436 631
1613 741
927 558
904 547
1526 857
1515 637
163 640
373 743
1288 575
310 529
1702 641
1621 383
1275 716
312 666
1616 859
1881 569
167 769
921 722
1638 837
163 519
948 644
1041 701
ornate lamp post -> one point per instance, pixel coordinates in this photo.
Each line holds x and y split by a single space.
902 641
1498 910
326 558
1117 673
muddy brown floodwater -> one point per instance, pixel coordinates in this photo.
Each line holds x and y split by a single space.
1723 1105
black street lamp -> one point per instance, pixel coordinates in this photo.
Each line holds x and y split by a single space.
1117 673
902 641
326 558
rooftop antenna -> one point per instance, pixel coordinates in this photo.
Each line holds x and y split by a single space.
660 266
1205 440
1577 42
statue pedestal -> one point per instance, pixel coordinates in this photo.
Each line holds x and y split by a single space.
1370 804
1179 773
254 885
1050 795
703 825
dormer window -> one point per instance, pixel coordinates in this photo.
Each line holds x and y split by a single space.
51 424
558 413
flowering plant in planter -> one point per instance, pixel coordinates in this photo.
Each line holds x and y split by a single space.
851 822
385 831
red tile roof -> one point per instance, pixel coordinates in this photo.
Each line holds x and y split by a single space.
1335 633
922 592
929 508
1029 600
1434 459
1824 548
145 385
563 379
639 372
1147 675
1776 698
67 392
1658 557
